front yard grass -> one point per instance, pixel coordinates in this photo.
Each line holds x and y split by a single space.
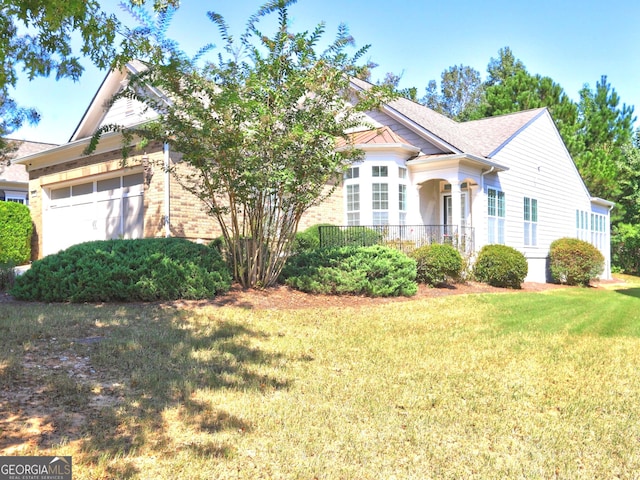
515 385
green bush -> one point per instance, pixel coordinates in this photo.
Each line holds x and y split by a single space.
375 271
354 236
436 264
15 233
625 248
308 239
7 276
574 262
126 270
500 266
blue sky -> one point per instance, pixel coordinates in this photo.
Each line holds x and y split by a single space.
573 42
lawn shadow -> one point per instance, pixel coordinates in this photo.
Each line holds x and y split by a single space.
630 292
146 371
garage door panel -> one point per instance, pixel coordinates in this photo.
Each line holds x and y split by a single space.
99 210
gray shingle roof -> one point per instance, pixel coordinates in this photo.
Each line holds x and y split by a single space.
478 137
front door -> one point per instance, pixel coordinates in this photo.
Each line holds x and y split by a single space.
448 212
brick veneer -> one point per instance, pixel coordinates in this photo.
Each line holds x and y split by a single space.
188 217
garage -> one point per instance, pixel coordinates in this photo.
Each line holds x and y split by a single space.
101 209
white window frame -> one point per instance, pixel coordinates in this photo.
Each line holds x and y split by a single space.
380 203
530 216
402 203
496 216
353 204
17 197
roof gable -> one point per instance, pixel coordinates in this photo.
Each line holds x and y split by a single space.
479 137
102 111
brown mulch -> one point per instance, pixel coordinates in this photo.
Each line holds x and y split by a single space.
284 298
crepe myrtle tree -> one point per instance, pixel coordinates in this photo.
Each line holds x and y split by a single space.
259 128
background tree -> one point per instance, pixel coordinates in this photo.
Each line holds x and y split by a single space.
605 129
36 38
461 92
628 202
258 130
503 67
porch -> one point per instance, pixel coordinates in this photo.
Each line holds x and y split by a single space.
403 237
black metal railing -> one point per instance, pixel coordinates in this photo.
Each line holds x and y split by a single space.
402 237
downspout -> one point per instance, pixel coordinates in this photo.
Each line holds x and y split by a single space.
167 193
485 173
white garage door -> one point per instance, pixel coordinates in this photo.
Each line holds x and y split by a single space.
97 210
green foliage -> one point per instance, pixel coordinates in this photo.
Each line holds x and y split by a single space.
271 108
353 236
7 276
308 239
625 248
126 270
605 129
374 271
436 264
500 266
36 40
574 261
461 92
15 233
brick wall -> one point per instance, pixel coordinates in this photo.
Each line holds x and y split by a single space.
188 217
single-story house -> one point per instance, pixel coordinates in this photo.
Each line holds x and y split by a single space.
14 179
506 179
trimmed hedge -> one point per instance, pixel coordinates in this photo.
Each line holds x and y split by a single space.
15 233
375 271
501 266
126 270
436 264
308 239
574 261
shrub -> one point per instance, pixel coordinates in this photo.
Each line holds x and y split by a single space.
7 276
500 266
375 271
308 239
15 233
355 236
126 270
436 263
625 248
574 262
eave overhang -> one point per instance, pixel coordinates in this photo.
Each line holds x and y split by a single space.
404 148
474 160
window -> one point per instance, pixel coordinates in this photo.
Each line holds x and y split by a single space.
379 171
597 230
402 204
496 216
402 173
582 225
353 204
351 173
17 197
530 222
380 203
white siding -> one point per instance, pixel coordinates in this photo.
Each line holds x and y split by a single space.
126 112
541 168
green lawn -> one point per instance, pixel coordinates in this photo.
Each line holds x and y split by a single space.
516 385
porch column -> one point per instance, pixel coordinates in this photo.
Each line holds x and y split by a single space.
456 211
